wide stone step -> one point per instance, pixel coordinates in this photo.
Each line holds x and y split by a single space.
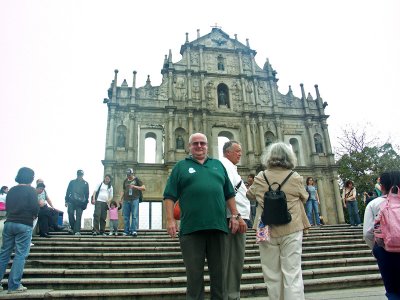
308 270
78 281
247 290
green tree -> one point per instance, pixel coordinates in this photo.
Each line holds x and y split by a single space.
362 161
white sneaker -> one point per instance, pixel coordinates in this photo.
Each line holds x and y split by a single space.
116 233
111 233
134 233
32 244
77 233
124 233
20 289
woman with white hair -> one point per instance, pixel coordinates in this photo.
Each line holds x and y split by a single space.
281 255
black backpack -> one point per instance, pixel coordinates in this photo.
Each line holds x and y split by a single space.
275 210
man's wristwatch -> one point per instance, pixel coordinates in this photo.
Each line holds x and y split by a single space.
237 217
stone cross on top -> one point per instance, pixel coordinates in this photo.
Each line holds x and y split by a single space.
216 26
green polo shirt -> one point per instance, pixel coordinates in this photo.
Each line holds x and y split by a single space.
202 190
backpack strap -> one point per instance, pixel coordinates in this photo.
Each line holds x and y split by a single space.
280 185
238 185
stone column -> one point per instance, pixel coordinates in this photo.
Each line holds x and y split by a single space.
110 134
322 200
328 147
243 84
190 122
250 150
201 59
278 124
338 200
131 149
240 63
310 136
261 133
189 87
170 134
134 136
170 81
204 122
133 91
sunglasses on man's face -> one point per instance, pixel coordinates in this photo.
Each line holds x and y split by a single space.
202 144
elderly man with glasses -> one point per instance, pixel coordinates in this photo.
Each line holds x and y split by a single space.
202 186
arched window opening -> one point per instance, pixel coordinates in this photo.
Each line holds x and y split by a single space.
295 147
150 148
319 148
121 136
223 95
269 138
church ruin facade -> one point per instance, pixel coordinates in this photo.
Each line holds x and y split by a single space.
218 89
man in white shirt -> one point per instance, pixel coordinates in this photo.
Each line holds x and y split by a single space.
236 243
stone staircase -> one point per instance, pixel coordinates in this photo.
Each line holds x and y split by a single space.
150 266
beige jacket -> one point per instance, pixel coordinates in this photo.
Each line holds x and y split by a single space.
296 196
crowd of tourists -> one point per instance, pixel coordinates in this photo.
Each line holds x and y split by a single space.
215 210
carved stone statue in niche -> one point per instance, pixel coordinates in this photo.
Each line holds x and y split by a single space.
222 98
318 145
180 144
121 141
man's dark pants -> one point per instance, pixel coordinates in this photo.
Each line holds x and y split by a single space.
197 246
75 216
100 216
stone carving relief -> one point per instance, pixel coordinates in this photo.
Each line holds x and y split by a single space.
236 91
263 93
194 58
180 88
210 94
246 63
196 89
163 91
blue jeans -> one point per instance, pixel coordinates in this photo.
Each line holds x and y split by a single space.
130 208
389 266
312 204
352 209
18 236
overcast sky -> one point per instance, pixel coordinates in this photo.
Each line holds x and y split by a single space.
57 60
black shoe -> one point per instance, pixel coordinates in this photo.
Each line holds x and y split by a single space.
45 235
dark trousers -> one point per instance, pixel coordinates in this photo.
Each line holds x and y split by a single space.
47 217
100 216
75 216
197 246
389 266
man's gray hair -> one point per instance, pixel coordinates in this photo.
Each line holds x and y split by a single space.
228 146
197 133
279 155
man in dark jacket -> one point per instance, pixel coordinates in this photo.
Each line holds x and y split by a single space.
76 199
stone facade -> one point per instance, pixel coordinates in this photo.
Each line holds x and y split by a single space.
217 89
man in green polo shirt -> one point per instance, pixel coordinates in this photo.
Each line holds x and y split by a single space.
204 191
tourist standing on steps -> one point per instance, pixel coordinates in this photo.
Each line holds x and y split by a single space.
113 213
236 243
76 199
350 202
281 256
132 188
102 195
204 191
3 195
22 209
388 262
312 202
